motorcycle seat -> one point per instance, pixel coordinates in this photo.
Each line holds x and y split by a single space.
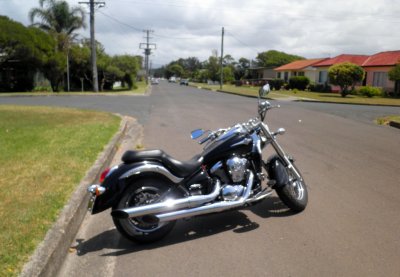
180 169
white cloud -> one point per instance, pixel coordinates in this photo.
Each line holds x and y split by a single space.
311 28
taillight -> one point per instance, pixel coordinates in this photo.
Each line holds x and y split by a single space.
104 175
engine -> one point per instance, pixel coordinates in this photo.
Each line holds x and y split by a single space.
232 175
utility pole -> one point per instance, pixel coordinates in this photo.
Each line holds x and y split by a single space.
147 46
92 5
222 57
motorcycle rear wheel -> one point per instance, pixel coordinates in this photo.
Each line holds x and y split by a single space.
295 193
142 229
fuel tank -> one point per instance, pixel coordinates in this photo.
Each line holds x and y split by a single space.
235 141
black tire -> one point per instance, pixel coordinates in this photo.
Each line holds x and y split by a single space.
135 229
294 194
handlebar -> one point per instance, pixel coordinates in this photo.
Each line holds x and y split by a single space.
250 126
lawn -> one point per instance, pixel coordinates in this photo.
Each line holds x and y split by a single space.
141 88
385 120
45 152
305 95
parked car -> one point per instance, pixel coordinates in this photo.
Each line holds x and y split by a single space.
172 80
184 82
154 81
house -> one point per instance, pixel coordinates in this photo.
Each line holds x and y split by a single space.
323 66
299 68
261 73
377 67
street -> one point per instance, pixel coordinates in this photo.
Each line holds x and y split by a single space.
351 166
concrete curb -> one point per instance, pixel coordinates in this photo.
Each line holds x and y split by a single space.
50 253
394 124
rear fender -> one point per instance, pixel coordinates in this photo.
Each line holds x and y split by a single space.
116 183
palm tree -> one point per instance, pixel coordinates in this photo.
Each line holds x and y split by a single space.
58 19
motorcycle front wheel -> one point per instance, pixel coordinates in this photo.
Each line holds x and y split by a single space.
294 194
142 229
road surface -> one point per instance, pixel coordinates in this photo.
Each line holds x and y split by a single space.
350 227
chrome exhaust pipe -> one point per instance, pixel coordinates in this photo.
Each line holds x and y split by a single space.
169 205
210 208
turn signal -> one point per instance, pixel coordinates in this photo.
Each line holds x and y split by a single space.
104 174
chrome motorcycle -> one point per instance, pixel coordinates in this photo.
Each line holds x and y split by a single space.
150 190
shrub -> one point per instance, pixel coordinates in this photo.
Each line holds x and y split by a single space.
299 82
276 84
369 91
320 88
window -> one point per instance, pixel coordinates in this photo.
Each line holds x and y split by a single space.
323 77
380 79
286 76
278 75
301 73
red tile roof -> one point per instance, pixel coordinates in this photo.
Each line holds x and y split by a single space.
297 65
388 58
356 59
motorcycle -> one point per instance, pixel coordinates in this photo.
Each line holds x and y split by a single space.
150 190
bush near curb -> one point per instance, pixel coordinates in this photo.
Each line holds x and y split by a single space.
369 91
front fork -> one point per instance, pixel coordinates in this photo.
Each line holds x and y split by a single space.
285 158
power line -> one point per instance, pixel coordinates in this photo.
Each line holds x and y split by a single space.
120 22
243 43
140 29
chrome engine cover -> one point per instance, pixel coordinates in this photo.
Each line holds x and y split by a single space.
231 193
237 168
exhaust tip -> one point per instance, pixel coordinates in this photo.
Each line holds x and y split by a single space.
119 214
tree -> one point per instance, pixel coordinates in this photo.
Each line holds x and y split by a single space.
394 75
175 70
128 66
241 68
273 58
228 74
212 66
58 19
345 75
24 51
61 21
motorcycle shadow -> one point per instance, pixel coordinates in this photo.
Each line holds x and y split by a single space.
271 207
187 230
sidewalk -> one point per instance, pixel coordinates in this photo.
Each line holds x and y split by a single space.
50 255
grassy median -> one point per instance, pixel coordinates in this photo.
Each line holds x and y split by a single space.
304 95
45 152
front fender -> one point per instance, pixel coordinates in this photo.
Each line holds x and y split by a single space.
116 183
277 171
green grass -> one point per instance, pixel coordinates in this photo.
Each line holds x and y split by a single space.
305 95
385 120
141 89
45 152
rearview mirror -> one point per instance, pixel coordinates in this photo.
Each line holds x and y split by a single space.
197 133
264 90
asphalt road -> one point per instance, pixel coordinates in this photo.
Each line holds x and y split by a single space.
350 227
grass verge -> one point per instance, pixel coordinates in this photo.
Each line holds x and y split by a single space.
141 89
45 152
305 95
387 119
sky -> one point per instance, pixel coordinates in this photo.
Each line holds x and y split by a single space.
189 28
